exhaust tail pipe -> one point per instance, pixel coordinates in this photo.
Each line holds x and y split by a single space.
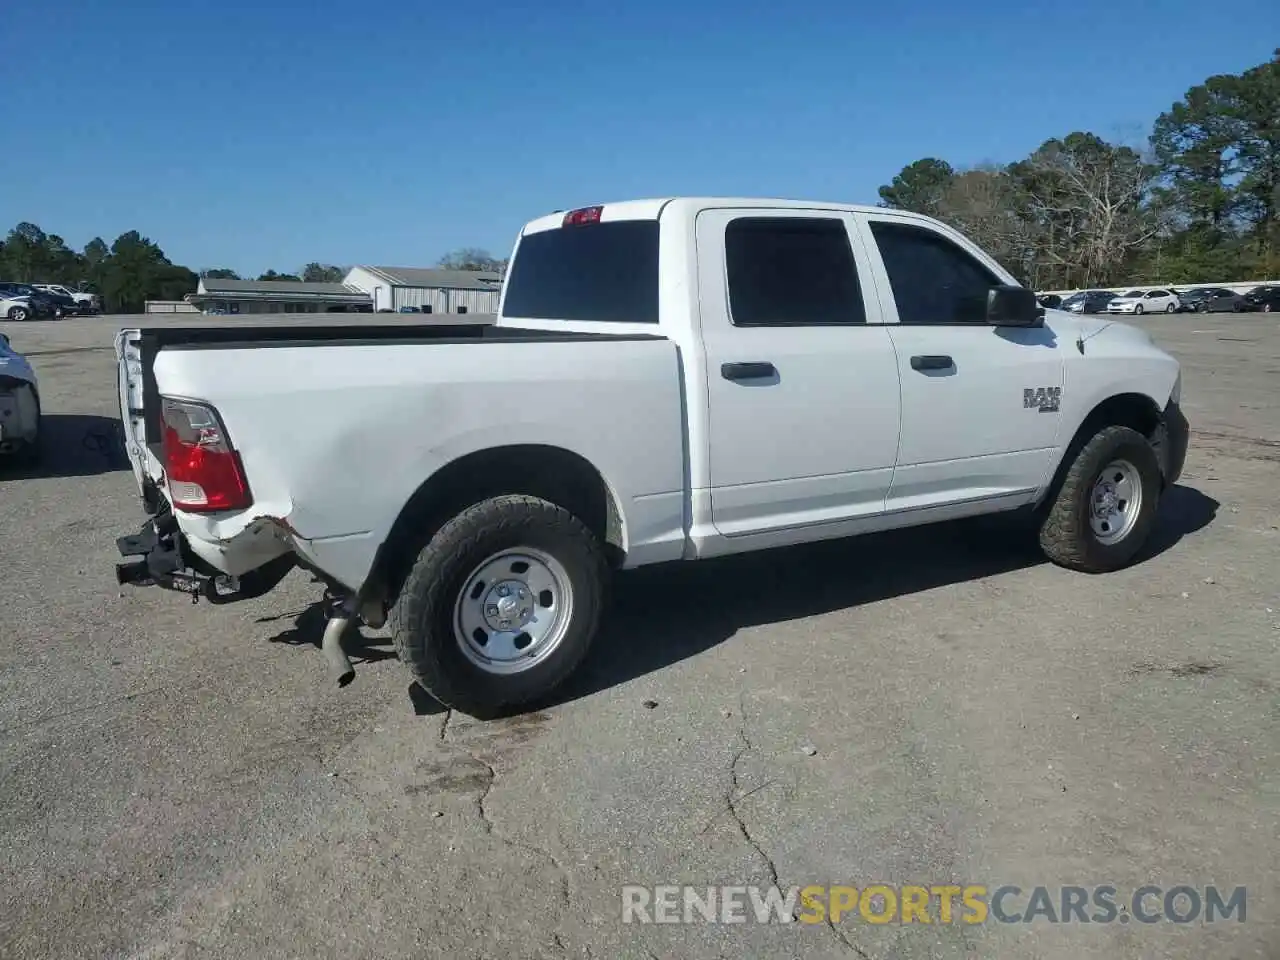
331 646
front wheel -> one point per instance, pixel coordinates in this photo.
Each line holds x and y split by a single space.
18 314
501 605
1106 505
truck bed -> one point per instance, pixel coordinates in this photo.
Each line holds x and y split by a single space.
334 442
151 340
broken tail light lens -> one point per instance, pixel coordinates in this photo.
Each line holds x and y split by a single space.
205 473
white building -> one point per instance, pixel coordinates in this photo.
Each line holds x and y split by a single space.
427 290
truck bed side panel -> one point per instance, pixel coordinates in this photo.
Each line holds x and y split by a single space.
335 439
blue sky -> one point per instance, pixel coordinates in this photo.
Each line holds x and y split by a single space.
268 134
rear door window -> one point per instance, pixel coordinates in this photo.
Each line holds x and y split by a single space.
791 271
600 272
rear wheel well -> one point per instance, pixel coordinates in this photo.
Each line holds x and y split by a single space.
551 473
1133 410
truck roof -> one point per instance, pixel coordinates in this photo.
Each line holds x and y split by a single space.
652 208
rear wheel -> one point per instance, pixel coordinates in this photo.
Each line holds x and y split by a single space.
1138 310
1169 308
1106 505
501 605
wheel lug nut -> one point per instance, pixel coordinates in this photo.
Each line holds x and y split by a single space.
504 591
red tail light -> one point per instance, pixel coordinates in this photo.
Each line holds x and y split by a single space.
585 215
204 470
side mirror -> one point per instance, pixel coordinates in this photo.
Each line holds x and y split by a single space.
1010 306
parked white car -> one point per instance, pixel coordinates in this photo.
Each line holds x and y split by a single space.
666 380
16 308
1140 302
19 405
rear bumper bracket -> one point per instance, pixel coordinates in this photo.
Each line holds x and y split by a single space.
157 556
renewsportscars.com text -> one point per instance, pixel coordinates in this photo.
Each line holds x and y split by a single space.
938 903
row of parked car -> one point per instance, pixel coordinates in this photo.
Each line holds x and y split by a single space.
44 301
1264 299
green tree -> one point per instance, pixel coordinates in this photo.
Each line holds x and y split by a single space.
471 258
219 273
26 254
272 275
96 251
323 273
1255 106
137 271
1195 143
919 186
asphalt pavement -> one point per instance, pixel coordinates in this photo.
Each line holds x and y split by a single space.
937 706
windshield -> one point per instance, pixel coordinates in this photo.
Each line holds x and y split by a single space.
1074 298
1132 293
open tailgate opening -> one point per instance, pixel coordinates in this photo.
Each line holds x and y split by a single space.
147 470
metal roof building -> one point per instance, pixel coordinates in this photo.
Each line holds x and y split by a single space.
428 290
276 296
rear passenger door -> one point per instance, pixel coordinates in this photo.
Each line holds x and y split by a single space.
802 389
979 403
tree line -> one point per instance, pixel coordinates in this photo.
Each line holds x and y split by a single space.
134 269
1198 201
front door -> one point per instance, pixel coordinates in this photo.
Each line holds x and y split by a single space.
802 391
980 404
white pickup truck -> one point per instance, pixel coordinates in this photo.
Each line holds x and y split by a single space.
666 380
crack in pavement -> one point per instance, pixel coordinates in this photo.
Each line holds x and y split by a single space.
735 786
841 936
491 827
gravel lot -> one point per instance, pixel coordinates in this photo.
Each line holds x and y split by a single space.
926 707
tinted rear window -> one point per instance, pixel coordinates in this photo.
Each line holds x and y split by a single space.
597 271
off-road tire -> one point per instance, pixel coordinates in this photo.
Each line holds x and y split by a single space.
421 619
1065 534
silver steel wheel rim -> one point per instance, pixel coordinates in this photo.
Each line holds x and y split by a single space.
1115 501
513 611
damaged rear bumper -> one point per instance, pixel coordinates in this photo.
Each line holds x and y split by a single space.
160 555
19 415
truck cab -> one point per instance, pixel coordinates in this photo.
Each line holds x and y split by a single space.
839 362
